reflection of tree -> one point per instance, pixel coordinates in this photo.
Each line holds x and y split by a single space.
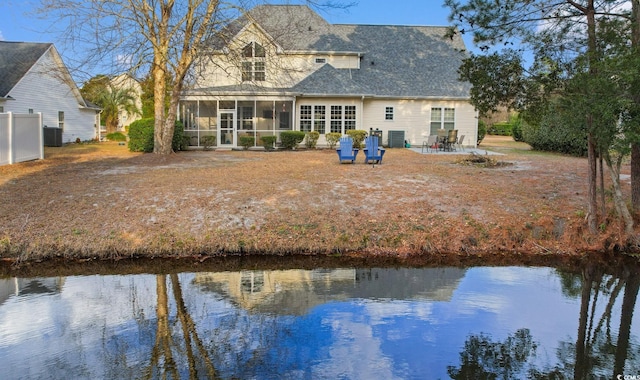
595 353
484 359
595 350
164 349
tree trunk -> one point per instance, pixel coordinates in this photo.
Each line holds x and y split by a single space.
592 217
621 206
635 147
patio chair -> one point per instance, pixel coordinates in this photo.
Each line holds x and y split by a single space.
460 141
372 151
452 139
346 152
430 144
442 138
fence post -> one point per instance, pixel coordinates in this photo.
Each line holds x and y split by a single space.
10 129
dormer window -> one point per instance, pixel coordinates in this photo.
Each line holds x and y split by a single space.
253 65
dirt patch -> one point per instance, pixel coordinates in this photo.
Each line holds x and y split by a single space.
101 201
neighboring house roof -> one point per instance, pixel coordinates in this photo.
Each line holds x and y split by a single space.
396 61
16 58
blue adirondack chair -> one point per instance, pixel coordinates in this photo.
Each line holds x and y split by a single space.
372 152
346 151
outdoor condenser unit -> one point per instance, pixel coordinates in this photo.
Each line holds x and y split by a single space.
396 139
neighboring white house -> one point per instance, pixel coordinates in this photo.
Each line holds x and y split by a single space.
284 67
124 81
34 79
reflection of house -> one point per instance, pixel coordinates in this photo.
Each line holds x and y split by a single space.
285 68
28 286
297 291
33 79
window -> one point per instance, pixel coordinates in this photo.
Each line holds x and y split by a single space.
341 118
305 118
30 111
336 119
1 109
61 119
253 67
442 118
388 113
319 119
321 60
349 117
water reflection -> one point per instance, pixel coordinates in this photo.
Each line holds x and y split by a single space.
505 322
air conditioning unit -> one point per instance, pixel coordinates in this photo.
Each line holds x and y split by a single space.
396 139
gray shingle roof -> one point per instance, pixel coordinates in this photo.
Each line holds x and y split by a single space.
16 58
396 61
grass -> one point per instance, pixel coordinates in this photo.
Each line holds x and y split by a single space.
87 201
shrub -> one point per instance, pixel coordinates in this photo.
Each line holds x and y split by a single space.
178 132
555 136
186 140
208 142
116 136
501 129
291 139
358 136
247 141
268 142
311 139
332 139
482 130
141 136
516 130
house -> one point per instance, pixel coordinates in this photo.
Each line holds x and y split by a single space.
127 81
283 67
35 80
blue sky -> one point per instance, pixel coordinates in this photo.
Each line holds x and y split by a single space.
18 21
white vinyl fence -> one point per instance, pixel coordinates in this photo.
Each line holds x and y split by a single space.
21 137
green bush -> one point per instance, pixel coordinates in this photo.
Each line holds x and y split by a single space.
501 129
185 142
358 136
141 136
311 139
482 131
332 139
178 132
247 141
516 130
269 142
553 135
116 136
208 142
291 139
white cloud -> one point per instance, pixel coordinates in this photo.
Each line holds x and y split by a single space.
1 36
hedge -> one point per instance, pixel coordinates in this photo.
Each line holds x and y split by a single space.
141 136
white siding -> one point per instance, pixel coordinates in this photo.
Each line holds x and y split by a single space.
414 117
45 89
283 69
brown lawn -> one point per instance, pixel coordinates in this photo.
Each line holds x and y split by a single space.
101 201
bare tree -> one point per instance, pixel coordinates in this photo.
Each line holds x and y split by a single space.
160 37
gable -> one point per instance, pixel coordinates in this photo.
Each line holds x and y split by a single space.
16 59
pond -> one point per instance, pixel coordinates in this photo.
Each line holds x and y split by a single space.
340 323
